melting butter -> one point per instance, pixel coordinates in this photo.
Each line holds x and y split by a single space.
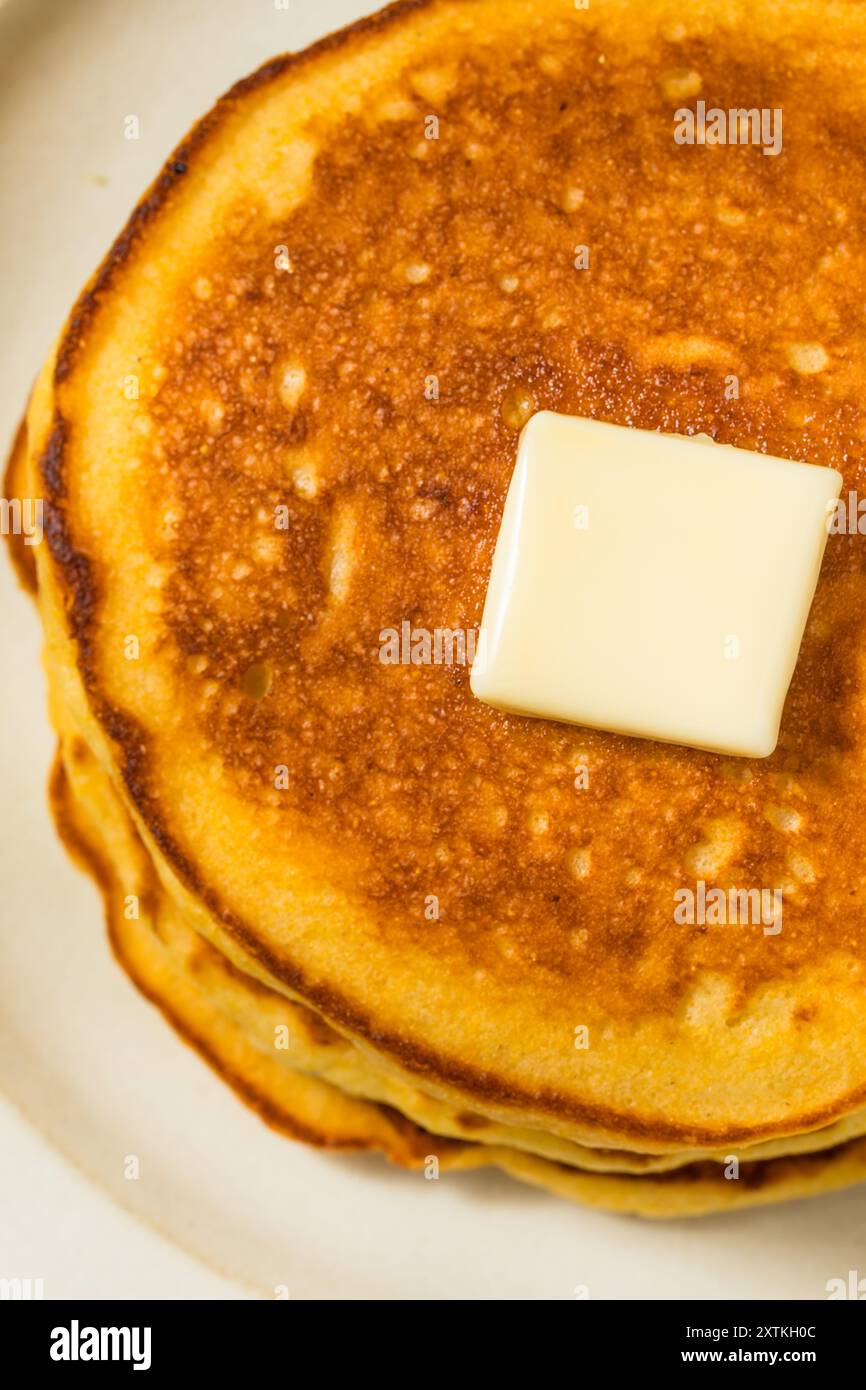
652 584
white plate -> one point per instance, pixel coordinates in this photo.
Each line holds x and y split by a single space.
91 1065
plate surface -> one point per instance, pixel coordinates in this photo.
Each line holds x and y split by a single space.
223 1207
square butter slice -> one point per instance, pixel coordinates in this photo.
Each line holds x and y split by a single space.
652 584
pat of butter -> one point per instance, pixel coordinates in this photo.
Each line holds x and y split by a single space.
652 584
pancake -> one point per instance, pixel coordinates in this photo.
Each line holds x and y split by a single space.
229 1017
307 1043
280 424
303 389
169 963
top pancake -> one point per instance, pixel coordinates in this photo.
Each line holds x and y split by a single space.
198 387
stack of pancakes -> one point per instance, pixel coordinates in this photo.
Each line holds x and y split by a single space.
281 421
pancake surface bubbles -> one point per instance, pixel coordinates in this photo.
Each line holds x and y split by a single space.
285 481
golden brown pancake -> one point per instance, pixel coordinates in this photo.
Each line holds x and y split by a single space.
188 980
282 419
82 796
